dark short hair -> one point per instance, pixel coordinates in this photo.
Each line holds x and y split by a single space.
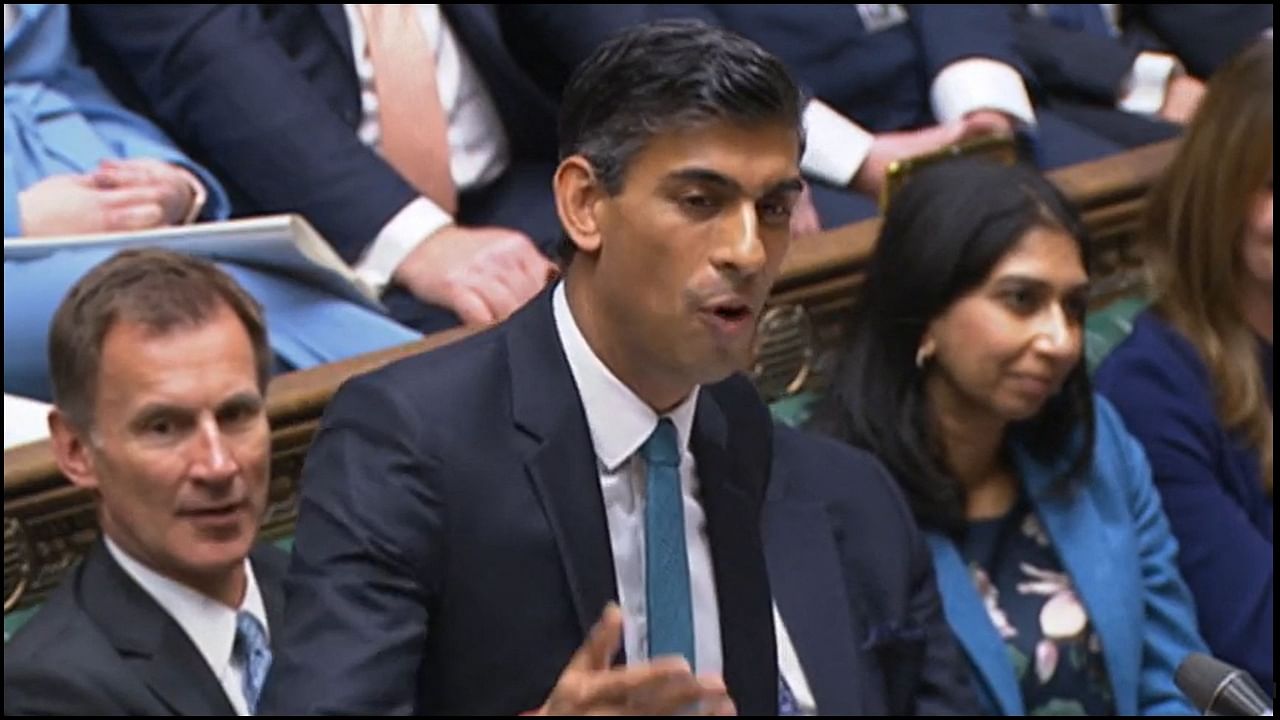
669 75
159 289
945 232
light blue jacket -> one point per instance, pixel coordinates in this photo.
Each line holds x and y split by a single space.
59 119
1114 541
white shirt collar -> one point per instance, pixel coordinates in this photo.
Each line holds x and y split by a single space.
619 420
210 624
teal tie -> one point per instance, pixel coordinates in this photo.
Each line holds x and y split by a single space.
670 606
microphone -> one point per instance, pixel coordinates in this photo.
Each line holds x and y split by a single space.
1220 689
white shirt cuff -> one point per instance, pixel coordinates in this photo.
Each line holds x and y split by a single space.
1148 83
835 146
397 239
974 84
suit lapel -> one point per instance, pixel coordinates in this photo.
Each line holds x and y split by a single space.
806 575
1088 552
335 22
973 628
733 508
178 674
150 642
561 462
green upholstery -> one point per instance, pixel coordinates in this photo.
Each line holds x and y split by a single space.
794 410
1106 328
14 620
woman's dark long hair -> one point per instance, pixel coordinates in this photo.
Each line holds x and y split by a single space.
945 232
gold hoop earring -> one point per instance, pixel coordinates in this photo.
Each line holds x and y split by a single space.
922 356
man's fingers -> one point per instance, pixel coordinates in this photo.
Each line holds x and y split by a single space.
471 309
597 652
532 276
662 687
499 297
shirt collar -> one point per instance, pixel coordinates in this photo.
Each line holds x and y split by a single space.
210 624
618 419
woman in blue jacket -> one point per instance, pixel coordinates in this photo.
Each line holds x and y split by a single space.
964 375
1193 380
77 161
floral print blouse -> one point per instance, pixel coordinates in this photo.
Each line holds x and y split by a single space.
1056 655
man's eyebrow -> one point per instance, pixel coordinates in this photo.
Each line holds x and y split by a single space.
711 177
790 185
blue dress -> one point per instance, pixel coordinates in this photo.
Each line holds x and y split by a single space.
1032 602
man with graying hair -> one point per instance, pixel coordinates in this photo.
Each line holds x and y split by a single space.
160 364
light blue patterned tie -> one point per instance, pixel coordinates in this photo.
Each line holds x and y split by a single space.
787 705
670 607
254 653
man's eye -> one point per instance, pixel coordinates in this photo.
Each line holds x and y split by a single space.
775 211
160 428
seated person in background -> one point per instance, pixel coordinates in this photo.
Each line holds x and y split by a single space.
1147 60
964 375
893 81
408 135
1194 379
854 588
160 364
76 161
468 514
1203 36
1086 67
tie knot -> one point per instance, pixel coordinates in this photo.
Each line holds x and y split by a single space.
251 637
662 447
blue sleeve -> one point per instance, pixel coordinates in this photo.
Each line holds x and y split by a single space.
131 135
1169 631
947 33
1227 561
12 214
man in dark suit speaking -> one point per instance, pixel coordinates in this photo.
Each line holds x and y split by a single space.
159 364
468 515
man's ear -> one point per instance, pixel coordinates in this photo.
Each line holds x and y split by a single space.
71 448
578 197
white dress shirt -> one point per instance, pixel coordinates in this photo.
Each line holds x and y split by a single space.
478 152
837 146
620 422
209 624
